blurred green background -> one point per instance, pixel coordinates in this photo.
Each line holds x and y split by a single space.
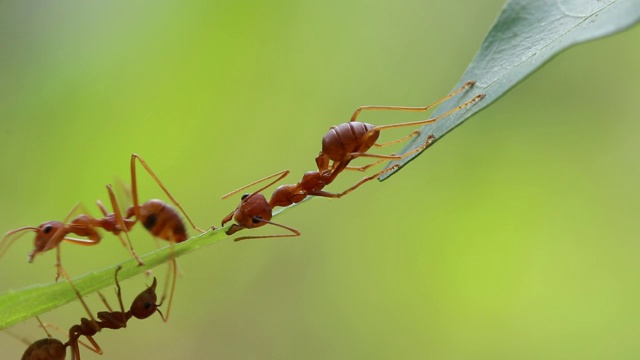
515 237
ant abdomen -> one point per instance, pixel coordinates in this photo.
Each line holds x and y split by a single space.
161 220
47 348
346 138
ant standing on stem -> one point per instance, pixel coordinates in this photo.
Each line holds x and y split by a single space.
342 144
159 218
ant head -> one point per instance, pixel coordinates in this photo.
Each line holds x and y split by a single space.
44 233
144 305
252 208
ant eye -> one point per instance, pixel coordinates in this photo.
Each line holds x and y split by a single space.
47 229
256 219
148 305
245 196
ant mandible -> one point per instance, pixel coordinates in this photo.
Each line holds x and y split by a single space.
342 144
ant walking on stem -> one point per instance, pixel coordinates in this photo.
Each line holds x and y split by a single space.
159 218
342 144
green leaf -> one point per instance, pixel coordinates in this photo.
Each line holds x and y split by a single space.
23 304
526 35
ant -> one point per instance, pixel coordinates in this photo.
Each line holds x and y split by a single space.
342 144
142 307
159 218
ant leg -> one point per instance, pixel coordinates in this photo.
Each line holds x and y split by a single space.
172 274
134 189
84 242
405 124
78 295
121 224
412 108
94 346
432 120
71 212
429 141
59 268
367 179
281 175
111 319
293 234
405 138
118 290
365 167
102 208
45 325
44 328
104 301
383 158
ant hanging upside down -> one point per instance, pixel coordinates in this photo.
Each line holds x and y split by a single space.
342 144
143 306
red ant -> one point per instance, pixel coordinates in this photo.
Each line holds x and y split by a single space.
160 219
143 306
342 144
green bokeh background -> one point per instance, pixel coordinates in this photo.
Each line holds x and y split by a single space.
515 237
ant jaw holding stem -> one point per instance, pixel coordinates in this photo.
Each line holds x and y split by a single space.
234 229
